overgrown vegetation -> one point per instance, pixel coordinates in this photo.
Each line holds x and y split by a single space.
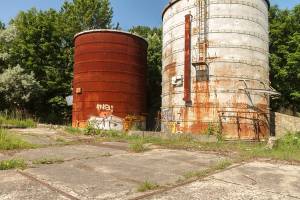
73 131
285 58
146 186
16 121
11 142
137 146
287 148
12 164
40 43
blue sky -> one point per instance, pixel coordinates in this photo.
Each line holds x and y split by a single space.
127 12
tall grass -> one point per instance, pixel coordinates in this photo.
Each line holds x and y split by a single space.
11 142
16 120
286 148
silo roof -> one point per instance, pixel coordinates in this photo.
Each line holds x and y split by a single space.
109 31
172 2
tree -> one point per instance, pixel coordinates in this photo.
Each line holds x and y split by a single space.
2 25
154 76
285 58
17 88
44 45
6 38
39 48
82 15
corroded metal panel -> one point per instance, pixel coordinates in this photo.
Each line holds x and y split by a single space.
229 52
110 71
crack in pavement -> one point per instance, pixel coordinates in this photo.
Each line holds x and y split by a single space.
47 185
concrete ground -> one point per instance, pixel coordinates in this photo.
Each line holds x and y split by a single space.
110 171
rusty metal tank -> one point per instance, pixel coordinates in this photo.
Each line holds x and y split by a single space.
109 78
216 68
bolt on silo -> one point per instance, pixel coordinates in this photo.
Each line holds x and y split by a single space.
216 68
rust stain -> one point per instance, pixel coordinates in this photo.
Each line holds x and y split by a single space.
187 60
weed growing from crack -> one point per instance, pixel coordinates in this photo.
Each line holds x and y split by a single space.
146 186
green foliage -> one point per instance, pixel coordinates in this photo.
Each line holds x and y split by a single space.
17 123
12 164
42 43
73 131
154 75
90 130
146 186
17 88
290 142
285 58
137 146
7 36
10 142
87 14
2 25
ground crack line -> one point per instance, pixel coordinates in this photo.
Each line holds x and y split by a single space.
47 185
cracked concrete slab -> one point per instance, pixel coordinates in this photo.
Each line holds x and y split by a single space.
278 178
45 136
256 180
118 176
14 186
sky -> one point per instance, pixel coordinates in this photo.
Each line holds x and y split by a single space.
127 12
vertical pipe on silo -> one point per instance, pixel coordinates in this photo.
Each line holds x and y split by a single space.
187 60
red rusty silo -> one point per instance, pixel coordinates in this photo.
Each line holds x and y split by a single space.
109 77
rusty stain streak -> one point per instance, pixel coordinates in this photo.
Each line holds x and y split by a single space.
187 60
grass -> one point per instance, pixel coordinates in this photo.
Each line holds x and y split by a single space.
13 164
11 142
73 131
137 146
146 186
7 121
287 148
48 161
